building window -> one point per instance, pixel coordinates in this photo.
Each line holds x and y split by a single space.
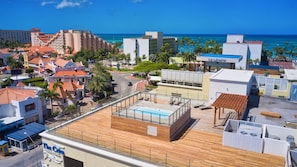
30 107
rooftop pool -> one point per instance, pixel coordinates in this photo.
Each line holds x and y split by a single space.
152 111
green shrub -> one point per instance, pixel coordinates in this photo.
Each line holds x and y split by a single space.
31 80
29 70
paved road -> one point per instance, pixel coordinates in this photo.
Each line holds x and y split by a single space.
121 80
32 158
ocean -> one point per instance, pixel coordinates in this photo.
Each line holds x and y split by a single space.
269 41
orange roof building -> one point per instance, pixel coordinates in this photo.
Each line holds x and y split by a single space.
20 105
42 49
76 73
7 95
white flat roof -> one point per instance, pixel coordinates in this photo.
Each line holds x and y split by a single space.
223 58
290 74
155 78
9 120
19 77
232 75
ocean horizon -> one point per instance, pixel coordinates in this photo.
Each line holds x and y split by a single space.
269 41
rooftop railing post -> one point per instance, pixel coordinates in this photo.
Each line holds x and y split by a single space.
142 115
166 159
97 141
130 149
151 115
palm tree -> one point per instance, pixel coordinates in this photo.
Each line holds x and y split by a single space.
50 94
101 81
256 61
69 49
163 57
58 84
187 57
143 57
137 60
70 109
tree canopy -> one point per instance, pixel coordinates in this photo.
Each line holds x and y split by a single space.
100 83
147 66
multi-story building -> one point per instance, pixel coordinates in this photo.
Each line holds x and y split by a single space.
69 41
148 45
22 36
19 106
249 50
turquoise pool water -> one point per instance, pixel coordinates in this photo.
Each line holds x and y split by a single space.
154 112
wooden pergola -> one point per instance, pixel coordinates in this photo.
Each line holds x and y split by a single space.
230 101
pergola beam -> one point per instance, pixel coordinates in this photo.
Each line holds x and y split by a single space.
230 101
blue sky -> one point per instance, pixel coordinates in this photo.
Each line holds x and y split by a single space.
168 16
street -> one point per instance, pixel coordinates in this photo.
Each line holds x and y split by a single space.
32 158
120 82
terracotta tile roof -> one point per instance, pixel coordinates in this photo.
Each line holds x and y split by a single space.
231 101
60 91
69 86
78 64
46 60
61 62
35 60
50 67
18 94
20 84
41 49
4 51
254 42
282 64
66 86
70 73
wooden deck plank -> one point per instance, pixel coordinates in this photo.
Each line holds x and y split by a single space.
195 148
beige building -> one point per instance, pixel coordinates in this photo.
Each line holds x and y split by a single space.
69 41
188 84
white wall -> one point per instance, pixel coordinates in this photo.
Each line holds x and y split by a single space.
129 48
235 38
6 110
255 51
217 87
20 110
237 49
143 48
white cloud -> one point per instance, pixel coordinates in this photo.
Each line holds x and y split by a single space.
65 3
43 3
137 1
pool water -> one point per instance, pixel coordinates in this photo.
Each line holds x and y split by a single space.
154 112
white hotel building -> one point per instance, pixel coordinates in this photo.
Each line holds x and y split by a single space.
147 45
236 45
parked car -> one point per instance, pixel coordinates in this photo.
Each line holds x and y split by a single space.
130 84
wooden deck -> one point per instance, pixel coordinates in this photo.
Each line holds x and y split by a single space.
194 148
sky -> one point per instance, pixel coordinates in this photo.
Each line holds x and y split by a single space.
271 17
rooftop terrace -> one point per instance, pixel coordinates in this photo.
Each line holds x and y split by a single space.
200 145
